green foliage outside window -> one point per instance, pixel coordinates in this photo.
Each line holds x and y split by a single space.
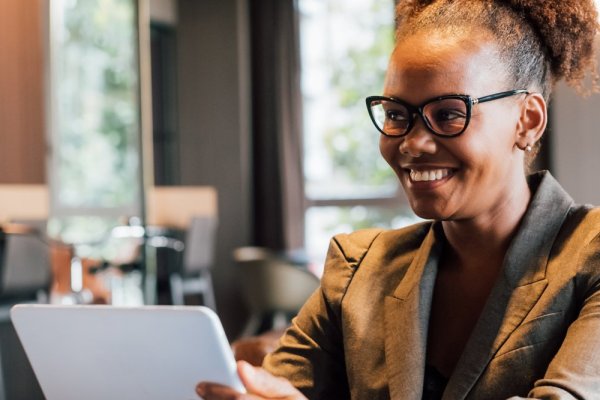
359 71
95 130
95 87
345 54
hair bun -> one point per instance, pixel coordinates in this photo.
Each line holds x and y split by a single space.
567 30
543 41
406 9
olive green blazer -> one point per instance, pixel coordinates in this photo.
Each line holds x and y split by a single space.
363 334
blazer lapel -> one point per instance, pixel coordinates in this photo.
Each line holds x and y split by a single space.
518 288
505 309
406 322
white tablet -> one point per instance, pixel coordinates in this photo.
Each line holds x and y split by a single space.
103 352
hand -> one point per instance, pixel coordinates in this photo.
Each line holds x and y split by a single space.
259 383
254 349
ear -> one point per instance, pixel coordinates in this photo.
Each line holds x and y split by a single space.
533 121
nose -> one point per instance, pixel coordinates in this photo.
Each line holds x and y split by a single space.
419 141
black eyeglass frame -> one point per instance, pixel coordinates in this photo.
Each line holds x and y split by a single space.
468 100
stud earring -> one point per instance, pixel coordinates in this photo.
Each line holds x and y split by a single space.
527 148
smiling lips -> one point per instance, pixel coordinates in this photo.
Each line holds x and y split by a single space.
429 175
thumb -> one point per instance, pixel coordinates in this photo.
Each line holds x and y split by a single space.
260 382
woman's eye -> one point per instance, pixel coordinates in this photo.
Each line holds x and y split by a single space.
449 115
396 116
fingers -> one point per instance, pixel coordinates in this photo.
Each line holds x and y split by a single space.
215 391
260 382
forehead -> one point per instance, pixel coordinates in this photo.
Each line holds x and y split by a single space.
426 65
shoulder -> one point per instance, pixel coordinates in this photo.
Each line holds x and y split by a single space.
581 227
347 252
589 228
350 249
577 247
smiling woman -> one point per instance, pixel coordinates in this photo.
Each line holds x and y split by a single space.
497 296
483 143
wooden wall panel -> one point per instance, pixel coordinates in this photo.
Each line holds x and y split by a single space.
22 137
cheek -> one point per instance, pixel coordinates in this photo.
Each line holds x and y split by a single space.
389 150
500 126
488 146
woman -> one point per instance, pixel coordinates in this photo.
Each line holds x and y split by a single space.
500 295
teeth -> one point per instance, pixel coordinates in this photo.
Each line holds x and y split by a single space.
431 175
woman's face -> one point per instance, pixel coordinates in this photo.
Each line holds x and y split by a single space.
479 167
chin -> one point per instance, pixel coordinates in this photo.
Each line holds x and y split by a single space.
427 210
429 214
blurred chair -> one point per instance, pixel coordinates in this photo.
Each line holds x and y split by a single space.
274 288
25 276
26 268
198 248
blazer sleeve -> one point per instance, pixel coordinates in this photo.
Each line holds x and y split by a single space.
574 372
311 352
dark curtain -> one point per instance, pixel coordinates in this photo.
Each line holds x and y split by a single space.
277 125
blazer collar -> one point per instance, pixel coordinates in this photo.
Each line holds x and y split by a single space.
527 256
512 297
407 319
520 285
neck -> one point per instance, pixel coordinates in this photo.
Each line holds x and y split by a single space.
487 236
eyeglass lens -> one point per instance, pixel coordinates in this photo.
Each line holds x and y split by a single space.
445 117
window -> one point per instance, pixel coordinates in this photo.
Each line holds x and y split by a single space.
94 106
345 45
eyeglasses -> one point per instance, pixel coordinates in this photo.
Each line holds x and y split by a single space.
445 116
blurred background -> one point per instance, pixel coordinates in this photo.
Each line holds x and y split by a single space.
154 151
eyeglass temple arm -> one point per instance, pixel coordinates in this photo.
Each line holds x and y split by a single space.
499 96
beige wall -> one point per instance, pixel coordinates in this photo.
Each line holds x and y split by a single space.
23 202
576 143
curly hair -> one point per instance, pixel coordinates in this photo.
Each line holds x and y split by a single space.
541 42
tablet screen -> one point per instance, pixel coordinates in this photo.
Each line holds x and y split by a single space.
104 352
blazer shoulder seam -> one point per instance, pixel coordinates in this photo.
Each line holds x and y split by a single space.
354 264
